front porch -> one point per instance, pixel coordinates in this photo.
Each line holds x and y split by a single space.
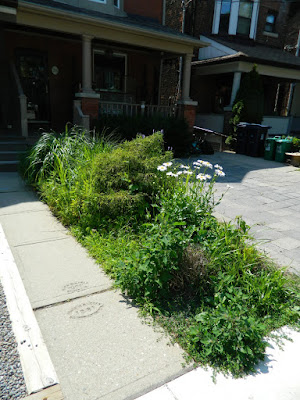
218 74
69 67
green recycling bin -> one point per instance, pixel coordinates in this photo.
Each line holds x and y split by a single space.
270 146
282 146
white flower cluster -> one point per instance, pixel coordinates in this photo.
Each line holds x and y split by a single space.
186 169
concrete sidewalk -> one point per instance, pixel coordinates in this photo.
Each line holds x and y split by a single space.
99 346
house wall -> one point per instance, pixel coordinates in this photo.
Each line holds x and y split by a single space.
295 109
143 77
276 39
199 17
279 125
152 9
66 55
107 7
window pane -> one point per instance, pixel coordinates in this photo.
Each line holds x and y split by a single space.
226 6
270 18
224 17
245 9
243 27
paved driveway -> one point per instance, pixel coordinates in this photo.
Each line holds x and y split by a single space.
267 195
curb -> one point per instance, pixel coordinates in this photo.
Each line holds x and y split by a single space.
37 366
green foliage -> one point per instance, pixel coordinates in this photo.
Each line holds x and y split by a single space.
237 115
60 150
296 144
176 132
145 275
249 102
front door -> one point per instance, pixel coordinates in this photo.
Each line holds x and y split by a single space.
32 67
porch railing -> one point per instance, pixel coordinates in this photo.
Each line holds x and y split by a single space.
22 101
79 118
115 108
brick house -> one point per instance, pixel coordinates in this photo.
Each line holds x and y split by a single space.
242 33
67 61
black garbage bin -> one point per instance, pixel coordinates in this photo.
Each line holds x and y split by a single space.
254 136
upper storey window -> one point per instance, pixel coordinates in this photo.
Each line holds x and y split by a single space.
271 21
236 17
224 16
244 18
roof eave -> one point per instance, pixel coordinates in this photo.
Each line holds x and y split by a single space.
184 40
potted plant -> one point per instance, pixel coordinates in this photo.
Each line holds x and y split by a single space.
294 155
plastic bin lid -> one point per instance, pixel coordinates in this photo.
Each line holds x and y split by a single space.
248 124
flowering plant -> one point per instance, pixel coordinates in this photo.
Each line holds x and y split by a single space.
192 195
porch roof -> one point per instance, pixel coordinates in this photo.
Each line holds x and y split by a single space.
251 52
238 57
130 29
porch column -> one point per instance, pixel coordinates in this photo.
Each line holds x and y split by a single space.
186 105
87 109
187 66
87 64
235 86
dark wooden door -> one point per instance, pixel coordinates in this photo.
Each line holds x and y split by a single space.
32 67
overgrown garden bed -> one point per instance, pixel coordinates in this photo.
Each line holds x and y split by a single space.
148 222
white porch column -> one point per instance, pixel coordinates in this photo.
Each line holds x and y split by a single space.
235 86
254 19
87 64
187 66
234 16
217 14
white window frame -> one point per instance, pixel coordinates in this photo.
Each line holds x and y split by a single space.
118 6
99 1
234 15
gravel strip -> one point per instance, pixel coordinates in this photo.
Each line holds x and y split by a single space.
12 384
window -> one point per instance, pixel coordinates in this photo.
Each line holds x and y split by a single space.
244 18
224 16
271 21
109 71
117 3
235 17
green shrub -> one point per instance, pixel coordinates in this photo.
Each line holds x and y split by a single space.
296 144
147 273
249 101
132 167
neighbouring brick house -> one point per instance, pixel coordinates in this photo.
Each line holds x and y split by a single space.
67 61
242 33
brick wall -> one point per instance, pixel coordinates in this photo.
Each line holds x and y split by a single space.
293 27
280 26
145 8
199 17
169 81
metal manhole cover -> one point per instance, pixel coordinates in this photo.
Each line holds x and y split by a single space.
84 310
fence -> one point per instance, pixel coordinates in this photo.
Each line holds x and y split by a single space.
114 108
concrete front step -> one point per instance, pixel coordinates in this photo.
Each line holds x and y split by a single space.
10 155
9 166
11 145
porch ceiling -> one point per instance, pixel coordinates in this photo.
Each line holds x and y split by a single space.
46 17
228 65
